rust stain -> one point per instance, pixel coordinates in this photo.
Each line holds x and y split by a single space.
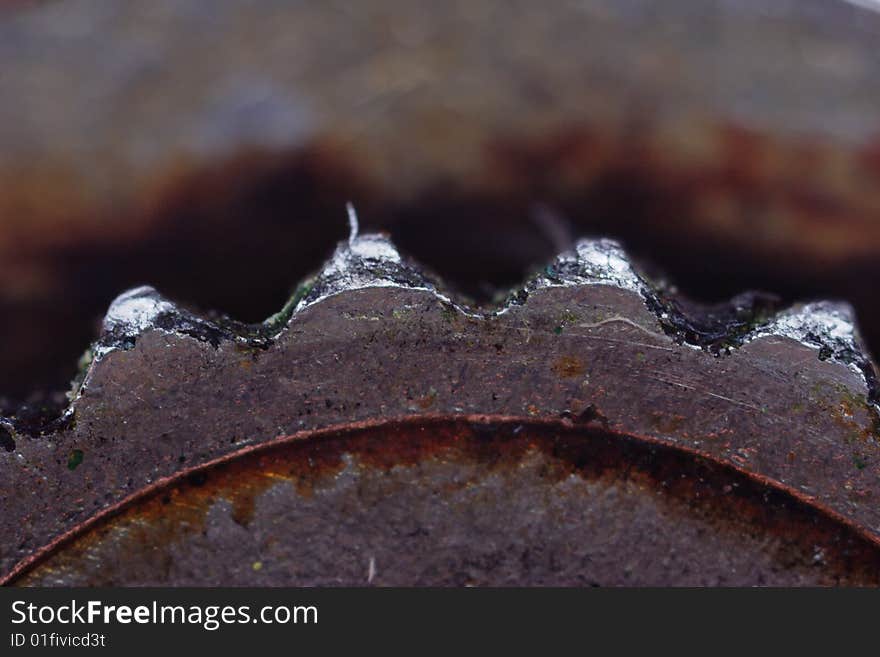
569 367
427 401
168 515
667 423
843 406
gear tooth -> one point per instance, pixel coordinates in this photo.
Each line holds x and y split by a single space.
831 329
600 261
828 325
365 261
130 315
603 261
136 309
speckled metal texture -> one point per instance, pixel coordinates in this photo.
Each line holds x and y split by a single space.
464 503
589 355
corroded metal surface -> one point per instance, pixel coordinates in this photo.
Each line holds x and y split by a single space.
464 503
785 400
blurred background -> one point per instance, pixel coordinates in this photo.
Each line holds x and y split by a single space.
208 147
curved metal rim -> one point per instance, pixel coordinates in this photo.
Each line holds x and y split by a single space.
42 554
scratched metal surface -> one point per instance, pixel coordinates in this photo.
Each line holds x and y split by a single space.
789 400
727 121
460 504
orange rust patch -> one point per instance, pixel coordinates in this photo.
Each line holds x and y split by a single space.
569 367
427 401
727 498
666 423
844 413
